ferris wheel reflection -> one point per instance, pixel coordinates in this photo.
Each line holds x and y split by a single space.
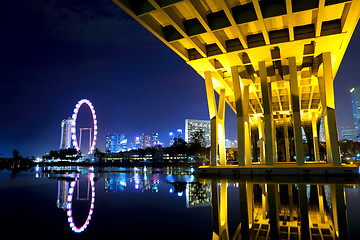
66 192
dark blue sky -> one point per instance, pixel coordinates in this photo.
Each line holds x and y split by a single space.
56 52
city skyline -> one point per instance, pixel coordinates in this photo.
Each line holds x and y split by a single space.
68 51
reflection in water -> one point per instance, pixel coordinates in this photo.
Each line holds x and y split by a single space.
66 187
282 211
267 210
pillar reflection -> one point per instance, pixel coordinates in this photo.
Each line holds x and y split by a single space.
281 211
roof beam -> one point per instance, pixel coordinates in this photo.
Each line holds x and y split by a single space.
199 12
227 11
311 97
261 21
179 26
320 17
154 29
290 19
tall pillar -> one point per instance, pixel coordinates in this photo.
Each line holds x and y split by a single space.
338 204
294 89
247 126
304 212
315 137
266 98
239 116
328 103
212 113
286 136
261 140
274 140
221 128
213 141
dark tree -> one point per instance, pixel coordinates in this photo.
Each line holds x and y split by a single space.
16 154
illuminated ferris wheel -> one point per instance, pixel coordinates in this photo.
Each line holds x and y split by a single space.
73 129
70 200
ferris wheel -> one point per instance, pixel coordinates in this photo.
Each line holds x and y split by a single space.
73 128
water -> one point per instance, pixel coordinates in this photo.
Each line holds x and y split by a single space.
171 203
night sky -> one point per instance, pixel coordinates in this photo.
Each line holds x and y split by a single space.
56 52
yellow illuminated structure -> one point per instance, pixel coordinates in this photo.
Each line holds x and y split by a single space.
273 63
281 211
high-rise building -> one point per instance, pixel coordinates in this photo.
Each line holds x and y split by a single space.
348 134
115 143
137 143
193 125
355 99
145 141
228 143
179 133
65 141
154 139
110 142
171 135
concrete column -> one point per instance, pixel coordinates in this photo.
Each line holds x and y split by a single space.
247 126
286 136
338 204
315 137
261 140
294 89
213 141
239 116
266 98
304 212
327 90
274 141
212 113
221 128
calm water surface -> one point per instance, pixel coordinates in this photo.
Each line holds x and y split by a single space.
170 203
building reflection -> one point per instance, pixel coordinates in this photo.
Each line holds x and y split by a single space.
282 211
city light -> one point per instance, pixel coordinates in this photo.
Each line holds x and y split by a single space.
351 90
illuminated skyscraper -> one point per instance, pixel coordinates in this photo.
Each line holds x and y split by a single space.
179 133
348 134
110 142
193 125
154 139
115 143
171 135
122 143
137 143
145 141
65 141
355 98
